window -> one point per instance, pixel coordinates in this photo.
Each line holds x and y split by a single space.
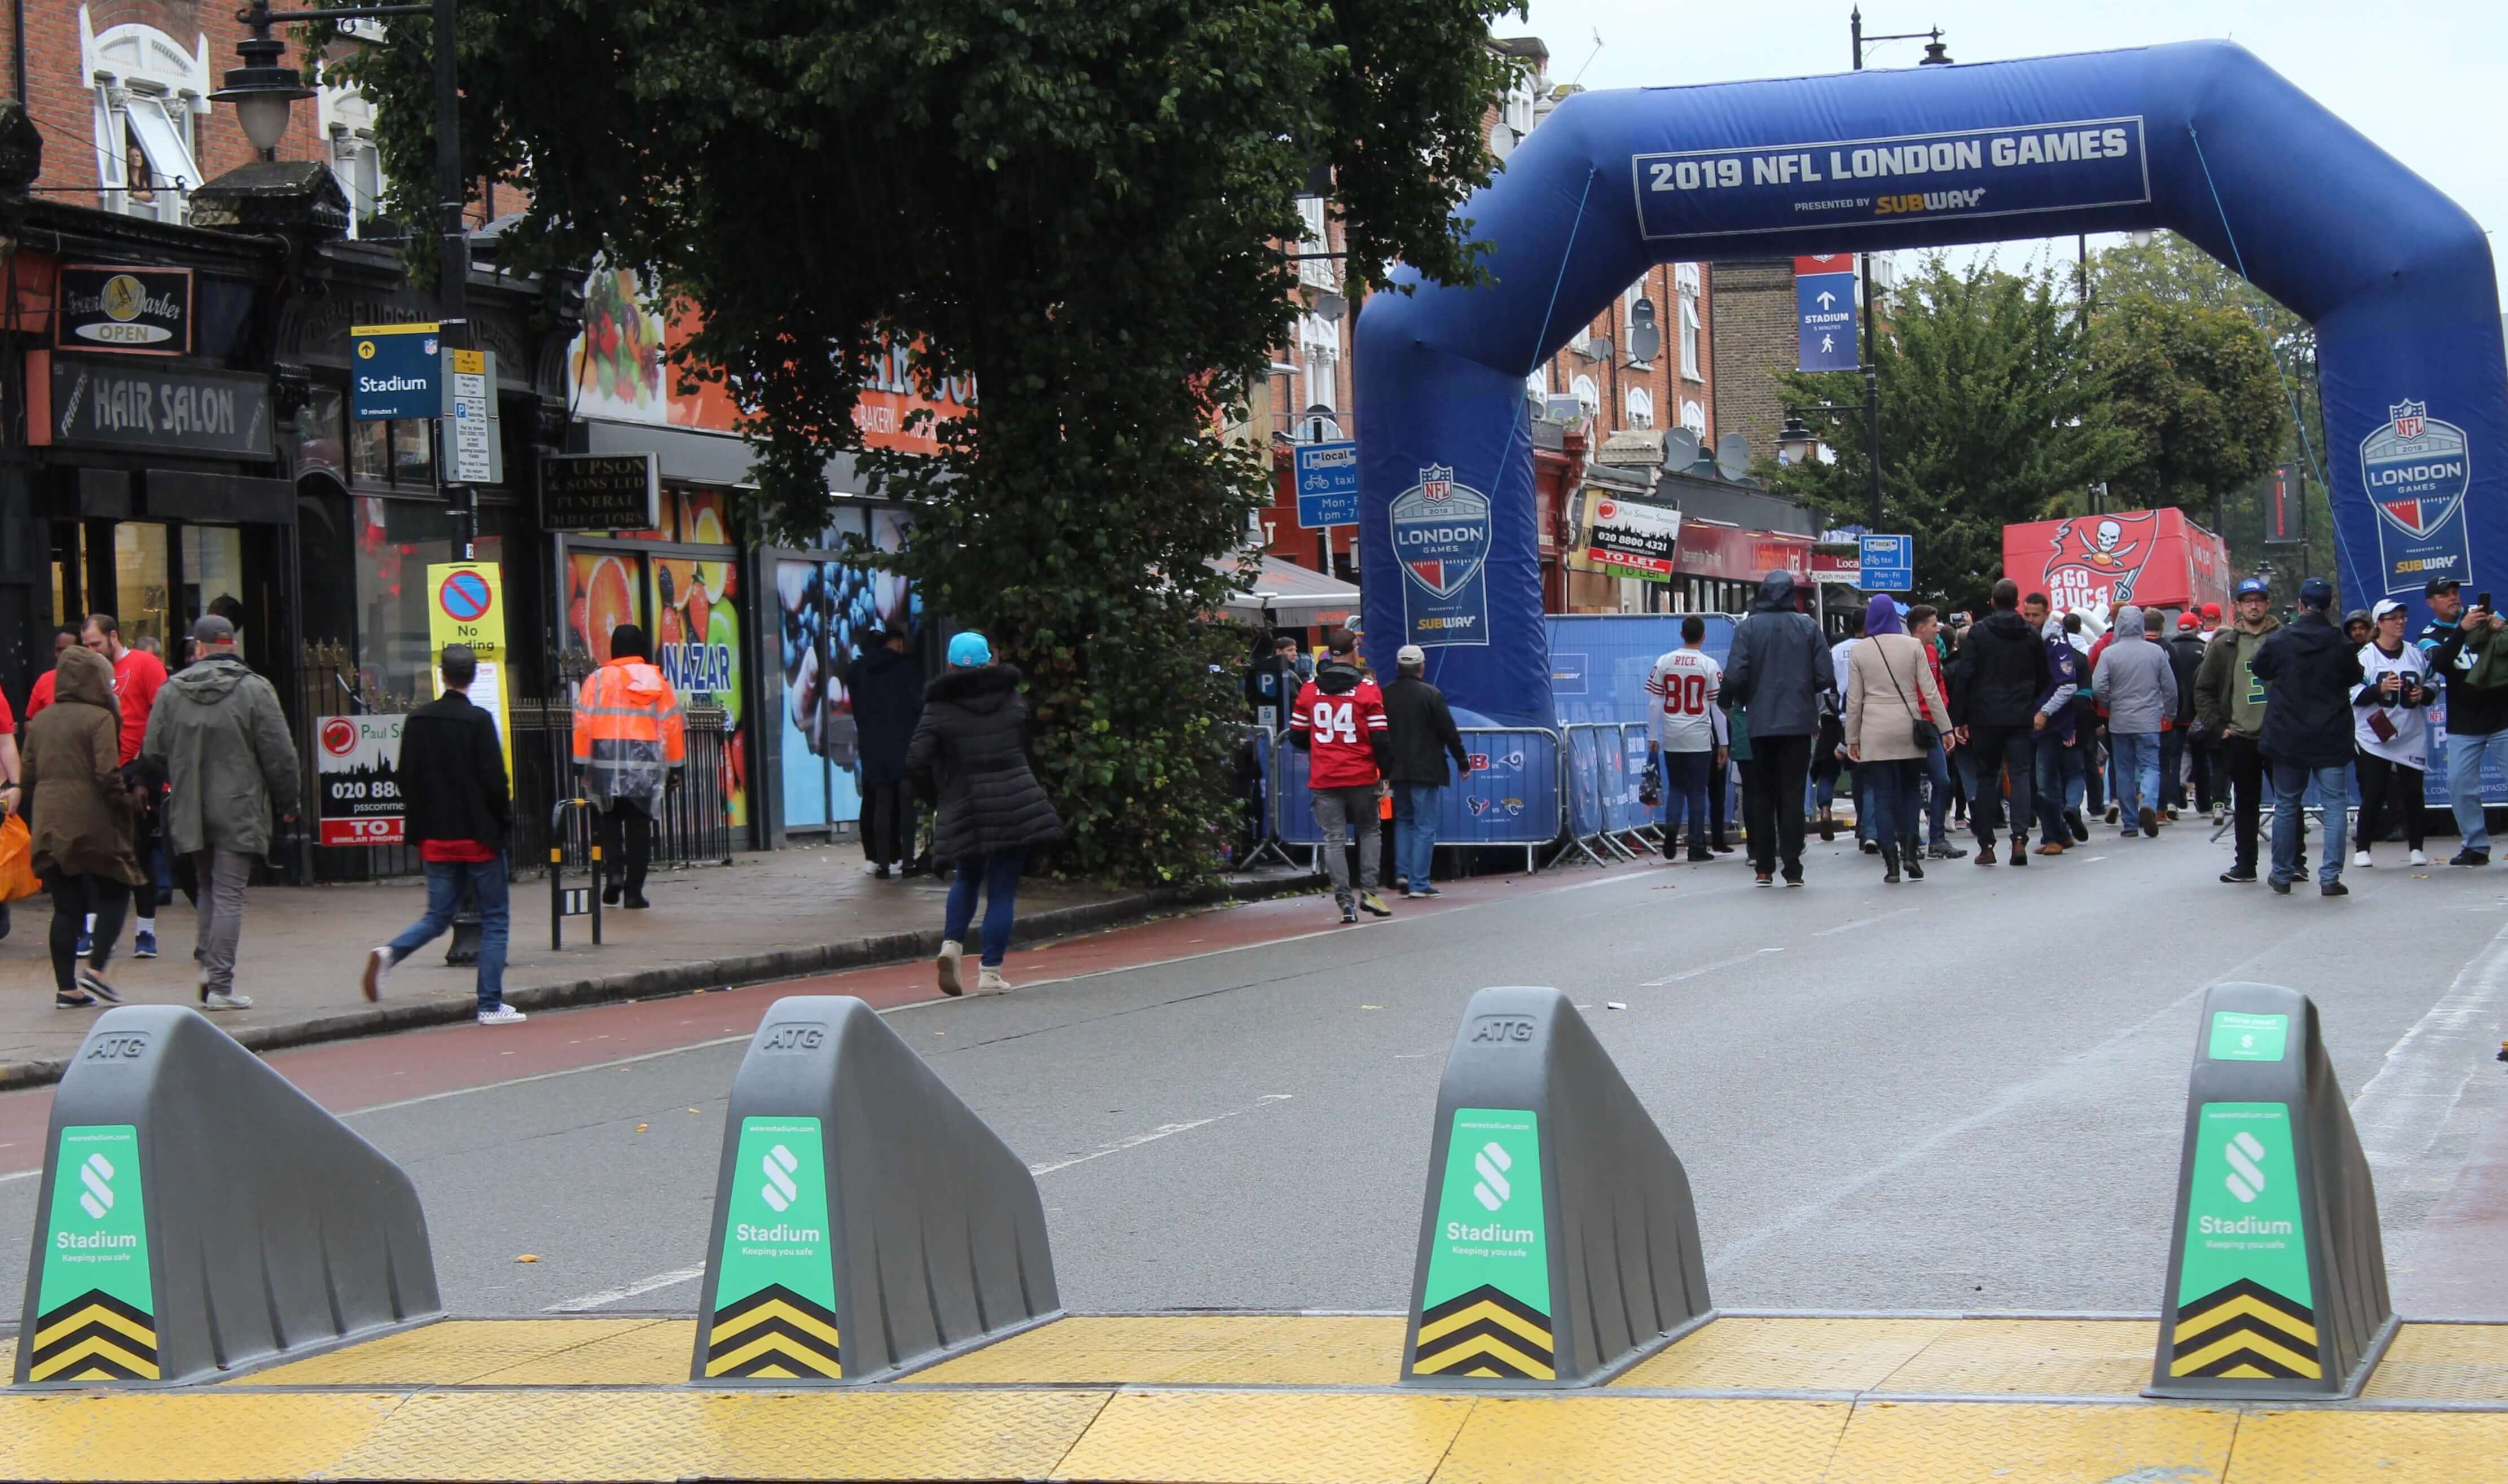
1640 407
1694 417
1319 346
1689 338
399 452
1588 395
347 125
1315 271
148 91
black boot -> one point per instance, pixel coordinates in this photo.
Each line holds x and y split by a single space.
1913 852
1889 864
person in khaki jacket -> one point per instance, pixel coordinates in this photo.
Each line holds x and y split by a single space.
1889 689
221 743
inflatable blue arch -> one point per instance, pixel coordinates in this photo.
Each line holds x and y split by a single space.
2202 138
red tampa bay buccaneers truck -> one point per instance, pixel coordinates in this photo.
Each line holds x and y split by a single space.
2154 558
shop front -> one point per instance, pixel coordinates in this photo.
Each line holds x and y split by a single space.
756 637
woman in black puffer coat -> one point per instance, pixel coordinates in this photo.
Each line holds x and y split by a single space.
969 758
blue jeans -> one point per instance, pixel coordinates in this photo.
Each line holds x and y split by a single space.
2062 777
444 883
1414 832
1889 791
2290 783
998 874
1684 796
2136 755
2465 754
1937 772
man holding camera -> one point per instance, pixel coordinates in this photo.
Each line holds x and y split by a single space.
2230 711
2455 640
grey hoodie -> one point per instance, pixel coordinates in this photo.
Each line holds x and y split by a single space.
2134 679
221 740
1778 666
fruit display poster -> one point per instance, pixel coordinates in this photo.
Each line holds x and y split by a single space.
830 610
694 630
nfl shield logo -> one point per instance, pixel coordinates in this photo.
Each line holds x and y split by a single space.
1436 482
2408 418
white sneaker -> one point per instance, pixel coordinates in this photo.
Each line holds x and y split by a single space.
989 981
2417 858
225 999
947 965
378 967
2361 857
503 1015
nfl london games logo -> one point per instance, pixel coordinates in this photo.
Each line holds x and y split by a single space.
2416 469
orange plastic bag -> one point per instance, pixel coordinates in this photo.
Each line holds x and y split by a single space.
17 861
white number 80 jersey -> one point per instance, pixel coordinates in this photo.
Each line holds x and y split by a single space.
1684 684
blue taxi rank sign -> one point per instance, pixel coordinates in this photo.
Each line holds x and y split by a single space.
1327 484
394 372
1889 563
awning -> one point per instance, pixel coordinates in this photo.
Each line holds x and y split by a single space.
1293 594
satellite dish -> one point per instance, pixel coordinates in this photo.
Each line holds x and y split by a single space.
1680 448
1645 339
1732 456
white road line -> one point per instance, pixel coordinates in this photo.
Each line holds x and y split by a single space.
1848 927
677 1275
636 1289
515 1082
1721 963
1163 1130
2399 1111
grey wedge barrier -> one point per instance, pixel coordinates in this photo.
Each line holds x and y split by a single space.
2277 1273
865 1219
198 1213
1558 1240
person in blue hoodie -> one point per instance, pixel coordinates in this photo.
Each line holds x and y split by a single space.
2061 773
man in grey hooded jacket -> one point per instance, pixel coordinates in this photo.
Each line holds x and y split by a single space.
1776 672
2138 685
217 735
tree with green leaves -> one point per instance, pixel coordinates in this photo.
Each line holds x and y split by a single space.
2168 270
1077 206
1989 416
2195 387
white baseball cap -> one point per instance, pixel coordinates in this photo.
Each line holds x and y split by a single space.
1410 654
2384 607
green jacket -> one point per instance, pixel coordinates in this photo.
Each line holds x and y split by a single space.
217 734
2229 700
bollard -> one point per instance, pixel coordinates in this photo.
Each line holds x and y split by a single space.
198 1213
1558 1241
866 1220
571 901
2277 1273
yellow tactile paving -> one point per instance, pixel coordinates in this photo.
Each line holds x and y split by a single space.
2041 1358
655 1352
669 1435
1657 1439
1189 1349
450 1353
2041 1444
2387 1447
1266 1437
2443 1362
1787 1354
8 1357
190 1435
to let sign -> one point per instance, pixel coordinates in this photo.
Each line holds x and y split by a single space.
358 763
136 405
130 310
601 491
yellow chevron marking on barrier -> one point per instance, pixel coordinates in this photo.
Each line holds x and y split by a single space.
1496 1313
810 1362
77 1364
1472 1357
773 1309
2302 1362
2190 1325
93 1314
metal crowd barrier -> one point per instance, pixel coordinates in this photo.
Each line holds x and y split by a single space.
1604 764
1513 796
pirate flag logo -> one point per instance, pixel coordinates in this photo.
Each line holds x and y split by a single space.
2096 561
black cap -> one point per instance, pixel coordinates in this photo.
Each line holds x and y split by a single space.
2437 585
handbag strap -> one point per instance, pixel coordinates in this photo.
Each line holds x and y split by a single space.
1914 711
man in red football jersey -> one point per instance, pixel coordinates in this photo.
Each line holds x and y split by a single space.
1339 721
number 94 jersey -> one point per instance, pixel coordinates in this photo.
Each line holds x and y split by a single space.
1345 723
1684 684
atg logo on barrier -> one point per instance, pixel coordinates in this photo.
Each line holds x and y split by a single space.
2416 470
1441 534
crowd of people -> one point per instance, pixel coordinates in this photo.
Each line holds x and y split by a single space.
2026 720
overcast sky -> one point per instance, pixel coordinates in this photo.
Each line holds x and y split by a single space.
2426 80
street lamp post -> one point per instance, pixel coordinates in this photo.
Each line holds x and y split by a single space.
1936 54
263 91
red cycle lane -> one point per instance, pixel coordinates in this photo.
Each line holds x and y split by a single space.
348 1076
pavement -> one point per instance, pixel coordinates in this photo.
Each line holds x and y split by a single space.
768 916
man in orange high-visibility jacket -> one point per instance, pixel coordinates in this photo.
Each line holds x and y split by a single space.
630 746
